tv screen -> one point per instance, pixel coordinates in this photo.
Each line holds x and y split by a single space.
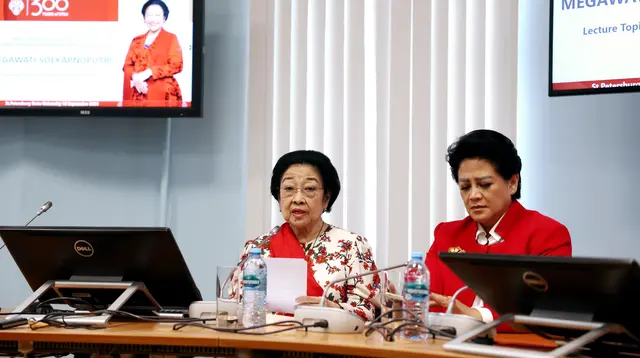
137 58
594 47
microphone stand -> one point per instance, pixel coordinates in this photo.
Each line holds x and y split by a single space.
338 320
33 218
43 209
458 323
338 323
368 273
454 298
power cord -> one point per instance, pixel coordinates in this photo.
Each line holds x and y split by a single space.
44 307
388 333
247 330
41 309
57 319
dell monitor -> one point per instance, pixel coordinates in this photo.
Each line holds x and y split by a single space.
570 288
107 256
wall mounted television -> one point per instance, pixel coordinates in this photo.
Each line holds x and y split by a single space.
594 47
105 58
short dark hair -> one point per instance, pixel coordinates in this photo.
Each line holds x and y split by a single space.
491 146
322 163
165 8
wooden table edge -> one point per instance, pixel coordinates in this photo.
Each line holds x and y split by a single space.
374 349
60 335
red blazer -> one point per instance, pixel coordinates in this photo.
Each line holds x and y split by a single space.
524 232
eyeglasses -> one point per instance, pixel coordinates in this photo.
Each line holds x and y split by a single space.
308 192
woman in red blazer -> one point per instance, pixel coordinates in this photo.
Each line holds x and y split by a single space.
486 166
152 60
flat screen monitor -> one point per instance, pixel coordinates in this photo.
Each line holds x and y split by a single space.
594 47
582 289
115 58
104 254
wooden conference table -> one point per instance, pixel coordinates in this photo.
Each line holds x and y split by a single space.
161 339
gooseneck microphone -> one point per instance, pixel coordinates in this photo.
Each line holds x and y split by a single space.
257 242
338 320
43 209
347 278
454 298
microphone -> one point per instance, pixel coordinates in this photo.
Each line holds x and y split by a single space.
258 242
368 273
43 209
339 320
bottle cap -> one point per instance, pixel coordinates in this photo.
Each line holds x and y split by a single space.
255 250
417 256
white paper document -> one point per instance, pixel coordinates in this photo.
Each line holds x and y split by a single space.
286 281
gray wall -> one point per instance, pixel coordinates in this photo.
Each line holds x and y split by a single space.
579 154
109 171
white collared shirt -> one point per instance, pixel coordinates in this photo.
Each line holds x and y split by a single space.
486 239
492 238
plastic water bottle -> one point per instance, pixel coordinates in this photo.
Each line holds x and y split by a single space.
416 296
254 293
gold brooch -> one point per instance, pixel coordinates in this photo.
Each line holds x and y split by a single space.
456 250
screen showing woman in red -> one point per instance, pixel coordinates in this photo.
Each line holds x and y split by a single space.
152 61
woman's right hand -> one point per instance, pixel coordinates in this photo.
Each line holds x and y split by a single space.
141 86
139 83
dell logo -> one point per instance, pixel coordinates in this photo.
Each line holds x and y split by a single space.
83 248
535 281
